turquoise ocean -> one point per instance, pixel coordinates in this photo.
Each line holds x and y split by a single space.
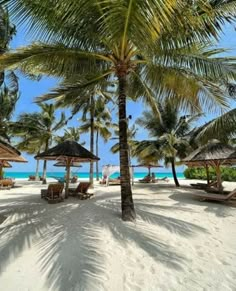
138 175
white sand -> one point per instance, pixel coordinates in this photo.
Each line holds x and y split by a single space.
177 242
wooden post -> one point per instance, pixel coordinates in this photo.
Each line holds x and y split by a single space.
218 176
68 162
207 173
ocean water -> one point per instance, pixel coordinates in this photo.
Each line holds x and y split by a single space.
138 175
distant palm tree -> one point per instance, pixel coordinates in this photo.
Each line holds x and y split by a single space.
70 133
101 124
39 129
152 47
169 131
32 147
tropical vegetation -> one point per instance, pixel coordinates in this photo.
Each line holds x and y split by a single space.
227 173
149 48
169 133
37 130
8 81
99 124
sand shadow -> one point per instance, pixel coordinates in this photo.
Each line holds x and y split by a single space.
69 236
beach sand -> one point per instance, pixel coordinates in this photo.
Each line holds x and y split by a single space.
176 243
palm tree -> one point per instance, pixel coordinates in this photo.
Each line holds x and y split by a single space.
32 147
101 125
170 132
106 38
38 129
221 128
8 80
70 133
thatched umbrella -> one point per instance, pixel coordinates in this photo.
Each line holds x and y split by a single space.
68 152
4 164
9 154
215 154
149 166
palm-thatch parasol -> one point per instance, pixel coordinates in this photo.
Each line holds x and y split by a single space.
5 164
68 152
149 166
9 154
215 154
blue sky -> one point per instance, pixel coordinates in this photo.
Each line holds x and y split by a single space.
30 89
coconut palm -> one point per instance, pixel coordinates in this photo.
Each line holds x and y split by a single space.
156 47
38 129
8 80
221 128
101 124
70 133
170 131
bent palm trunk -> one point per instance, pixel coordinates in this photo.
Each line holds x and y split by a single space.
174 173
127 205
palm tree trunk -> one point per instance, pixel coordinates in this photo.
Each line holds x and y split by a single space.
37 170
127 204
97 172
174 173
45 164
91 139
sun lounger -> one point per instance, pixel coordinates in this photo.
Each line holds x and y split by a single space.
146 179
216 197
204 185
165 179
114 182
6 183
216 190
54 193
81 191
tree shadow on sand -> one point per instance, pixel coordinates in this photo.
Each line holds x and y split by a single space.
218 208
69 237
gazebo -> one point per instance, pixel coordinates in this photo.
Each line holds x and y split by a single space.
148 166
68 152
214 154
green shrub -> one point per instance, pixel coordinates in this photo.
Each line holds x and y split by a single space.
227 173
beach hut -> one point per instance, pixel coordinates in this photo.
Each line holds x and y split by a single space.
68 152
214 154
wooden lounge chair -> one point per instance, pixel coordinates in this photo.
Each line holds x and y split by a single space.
6 183
81 191
74 179
164 179
114 181
54 193
204 185
215 197
147 179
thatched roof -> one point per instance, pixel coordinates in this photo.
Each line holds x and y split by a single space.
214 150
65 150
9 153
7 148
5 164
